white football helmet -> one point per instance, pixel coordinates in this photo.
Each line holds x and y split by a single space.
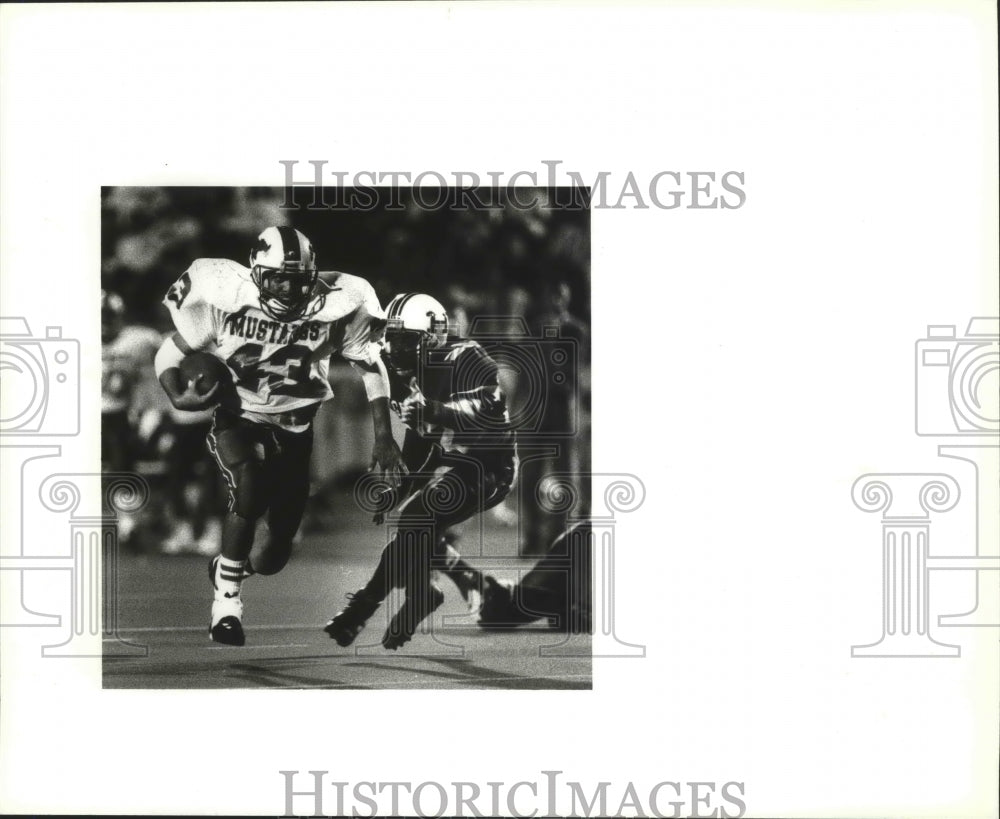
414 322
283 266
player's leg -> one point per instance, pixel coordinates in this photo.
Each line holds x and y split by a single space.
449 561
558 587
560 584
240 449
247 496
496 477
409 548
202 492
288 477
421 523
348 623
458 494
406 561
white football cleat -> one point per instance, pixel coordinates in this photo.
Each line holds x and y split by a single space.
227 621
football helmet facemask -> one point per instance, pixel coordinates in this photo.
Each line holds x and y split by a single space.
283 266
415 322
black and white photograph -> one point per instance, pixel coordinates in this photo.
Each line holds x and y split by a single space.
367 413
574 408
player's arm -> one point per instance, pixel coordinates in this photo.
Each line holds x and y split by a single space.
360 346
481 406
189 302
179 390
421 458
385 452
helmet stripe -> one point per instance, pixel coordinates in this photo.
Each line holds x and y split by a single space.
290 247
398 304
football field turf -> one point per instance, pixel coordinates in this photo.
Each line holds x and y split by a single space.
164 603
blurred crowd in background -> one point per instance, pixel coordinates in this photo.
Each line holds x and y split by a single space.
503 272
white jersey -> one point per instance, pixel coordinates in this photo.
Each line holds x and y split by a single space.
277 366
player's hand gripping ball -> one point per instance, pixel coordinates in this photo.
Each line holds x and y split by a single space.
205 371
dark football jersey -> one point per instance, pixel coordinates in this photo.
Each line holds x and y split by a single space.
462 376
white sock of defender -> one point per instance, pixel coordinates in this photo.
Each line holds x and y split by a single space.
451 556
228 577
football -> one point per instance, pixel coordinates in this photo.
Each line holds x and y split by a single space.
205 371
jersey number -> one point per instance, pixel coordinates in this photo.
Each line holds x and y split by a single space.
178 292
284 373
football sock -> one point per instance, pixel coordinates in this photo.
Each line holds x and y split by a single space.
237 536
228 577
454 564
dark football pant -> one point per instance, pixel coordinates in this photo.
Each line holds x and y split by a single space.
469 487
558 588
267 471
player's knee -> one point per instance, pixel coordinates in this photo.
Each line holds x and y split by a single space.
272 549
248 506
271 560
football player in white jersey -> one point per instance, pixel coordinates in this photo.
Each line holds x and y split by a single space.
275 326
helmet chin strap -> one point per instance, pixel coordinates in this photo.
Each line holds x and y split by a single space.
272 305
282 312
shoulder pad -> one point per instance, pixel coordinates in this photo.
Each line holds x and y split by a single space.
334 280
344 294
222 283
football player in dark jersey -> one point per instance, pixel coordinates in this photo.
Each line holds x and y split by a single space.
461 453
